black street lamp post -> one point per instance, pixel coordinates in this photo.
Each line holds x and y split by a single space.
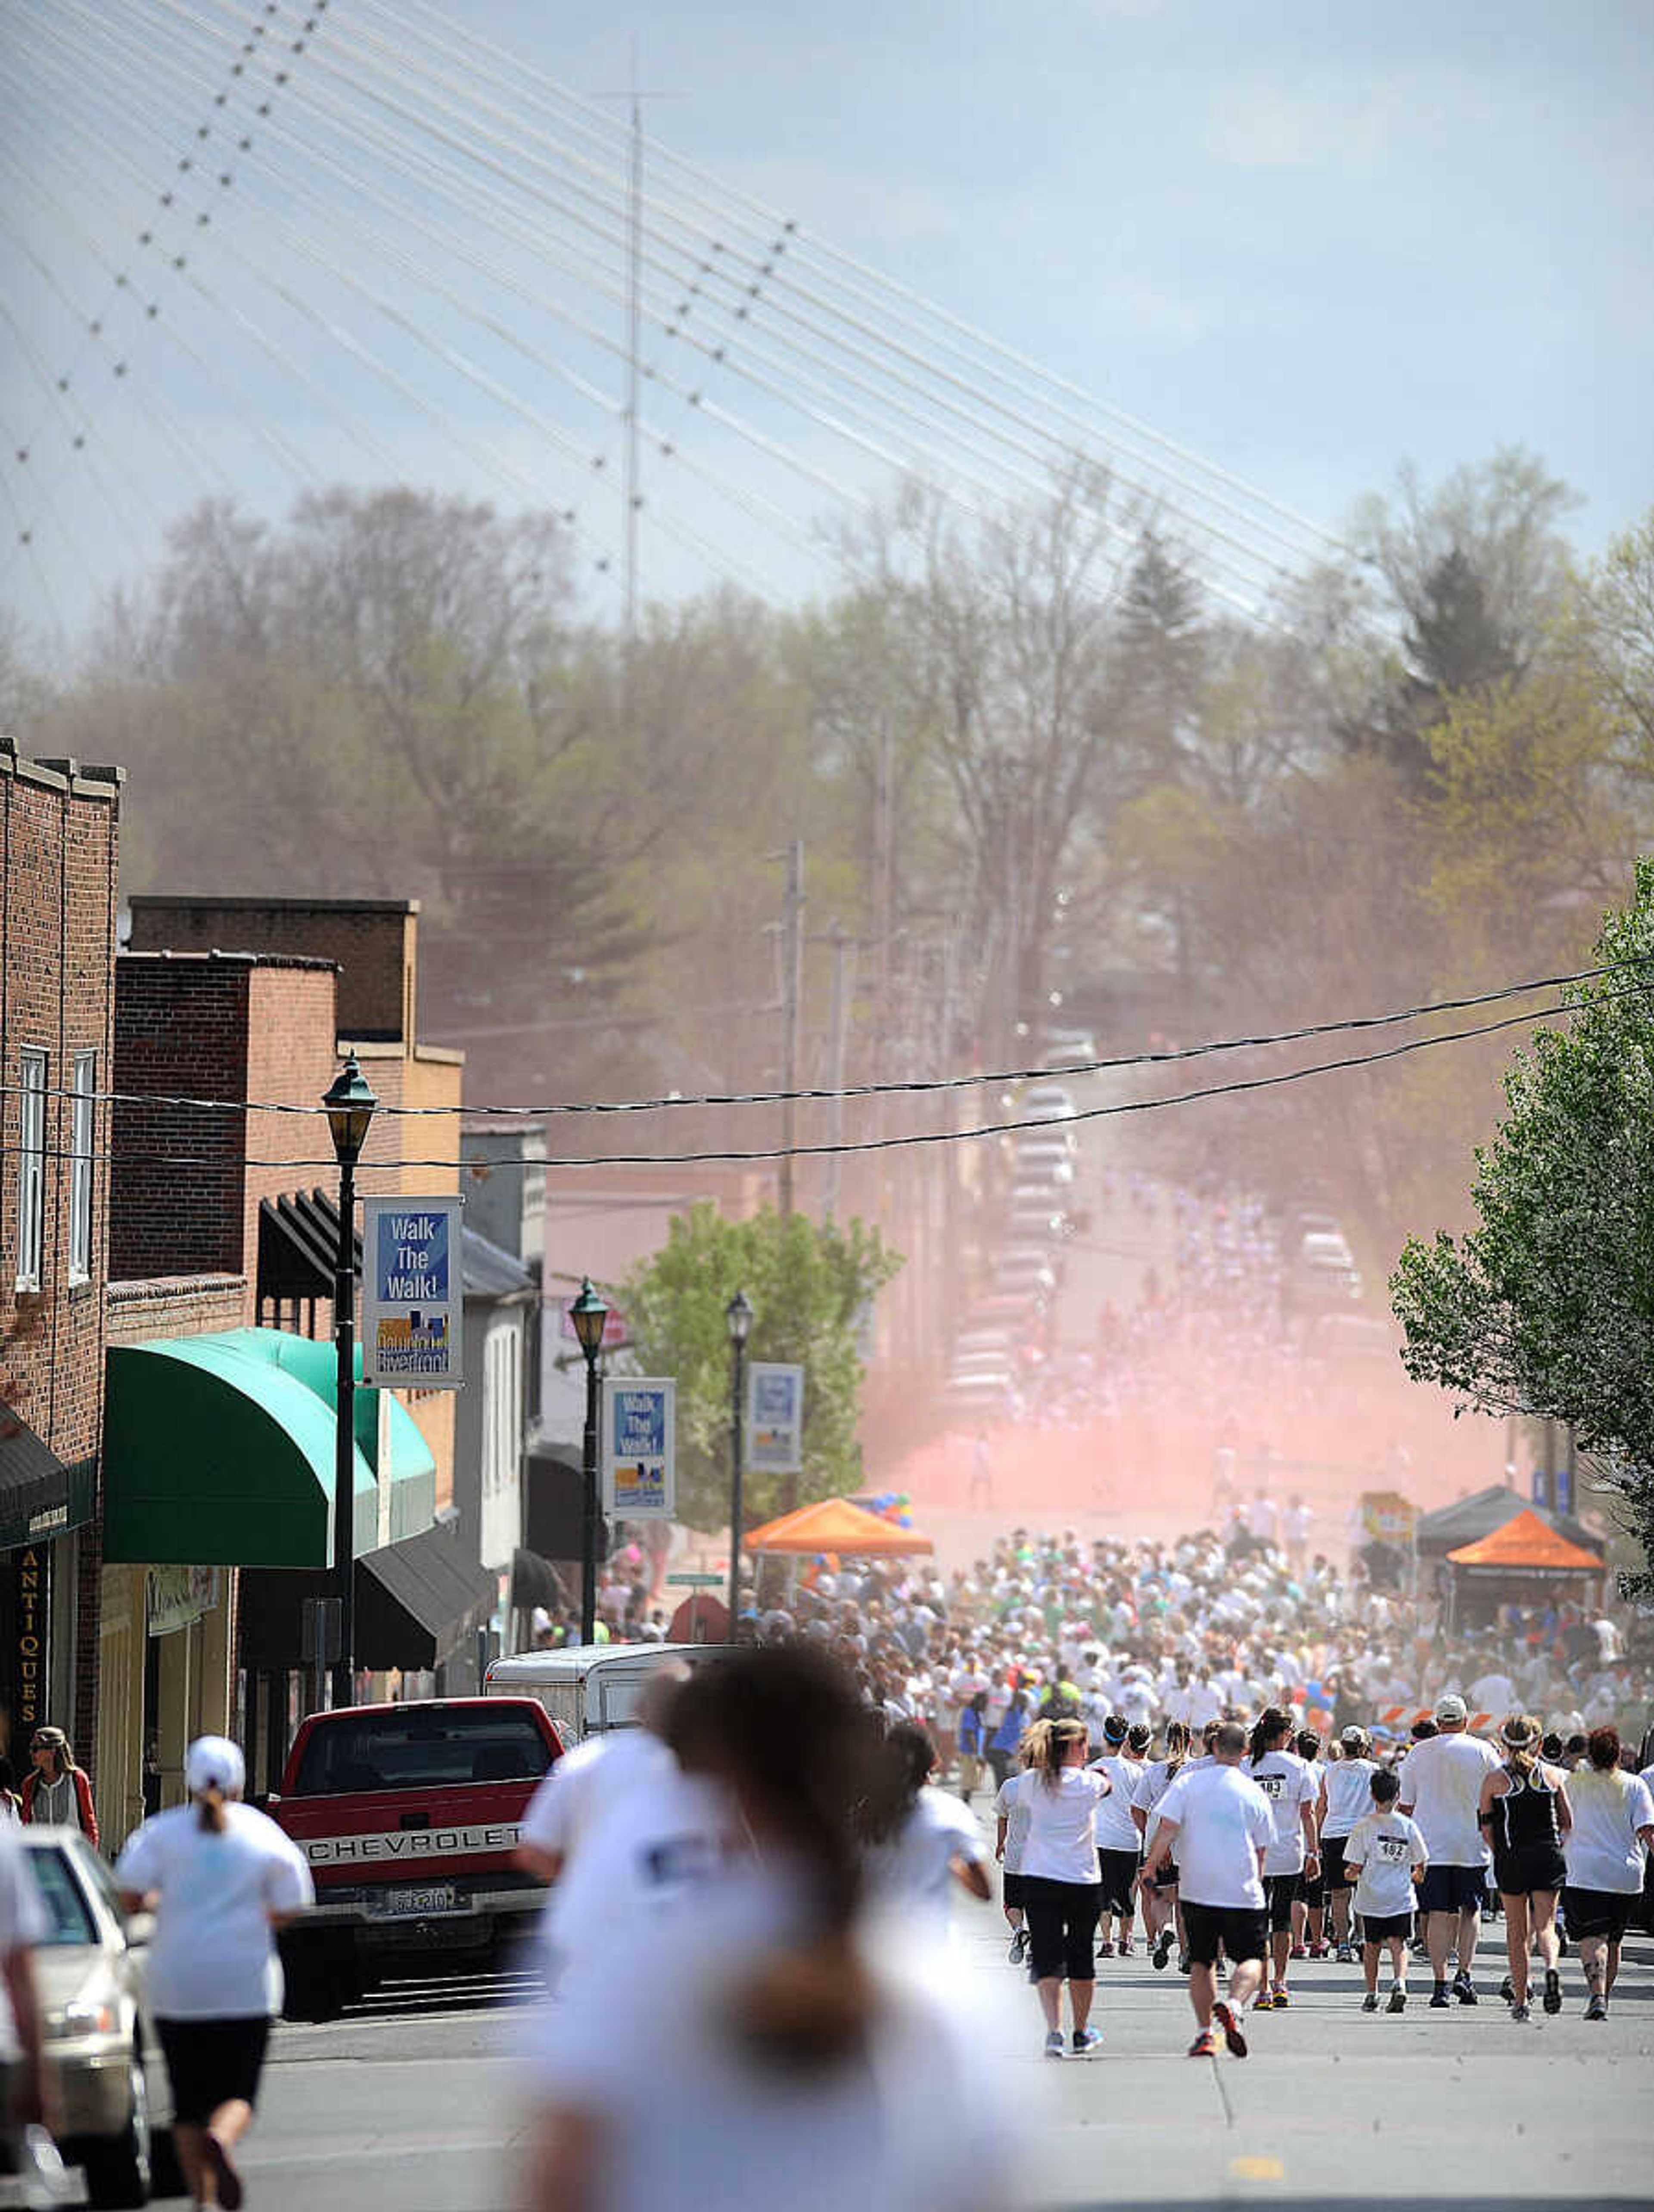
738 1315
589 1314
350 1104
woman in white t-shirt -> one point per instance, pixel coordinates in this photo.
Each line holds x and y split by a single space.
1161 1918
922 1843
781 2042
1061 1893
220 1879
1346 1798
1604 1849
1011 1818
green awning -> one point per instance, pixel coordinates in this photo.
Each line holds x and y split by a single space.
218 1451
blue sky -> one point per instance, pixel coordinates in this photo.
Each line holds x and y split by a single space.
1304 242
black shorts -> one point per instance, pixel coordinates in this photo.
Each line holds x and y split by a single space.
1534 1866
1010 1890
1118 1871
1377 1927
1314 1894
1242 1932
1332 1864
1604 1913
1061 1927
1167 1877
211 2062
1452 1888
1283 1890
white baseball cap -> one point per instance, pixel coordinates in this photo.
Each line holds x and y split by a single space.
213 1762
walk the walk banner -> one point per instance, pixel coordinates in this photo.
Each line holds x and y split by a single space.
775 1417
640 1437
412 1294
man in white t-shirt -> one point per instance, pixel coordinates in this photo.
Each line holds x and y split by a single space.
620 1831
1218 1826
1441 1791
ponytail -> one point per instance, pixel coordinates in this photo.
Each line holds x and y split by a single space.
1047 1744
210 1801
1268 1731
1177 1742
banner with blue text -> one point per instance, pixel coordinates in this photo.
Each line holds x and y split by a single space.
413 1295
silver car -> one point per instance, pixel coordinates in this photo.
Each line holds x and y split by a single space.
89 1974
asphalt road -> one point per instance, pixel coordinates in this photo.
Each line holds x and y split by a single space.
411 2101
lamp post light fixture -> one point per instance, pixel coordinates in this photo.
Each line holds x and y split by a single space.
589 1314
738 1313
350 1105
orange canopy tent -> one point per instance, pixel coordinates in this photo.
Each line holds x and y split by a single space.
1527 1545
835 1525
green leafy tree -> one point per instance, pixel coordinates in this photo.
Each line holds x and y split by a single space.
1547 1307
807 1286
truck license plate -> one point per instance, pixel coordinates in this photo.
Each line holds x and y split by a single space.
407 1904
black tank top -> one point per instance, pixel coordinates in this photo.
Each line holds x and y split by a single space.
1527 1811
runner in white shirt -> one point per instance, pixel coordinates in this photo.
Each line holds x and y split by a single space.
1289 1785
1161 1917
1220 1825
1347 1799
620 1831
1118 1841
922 1843
1388 1854
1605 1849
1061 1894
1011 1818
1441 1789
220 1878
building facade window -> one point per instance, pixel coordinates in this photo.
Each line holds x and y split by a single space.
31 1167
82 1127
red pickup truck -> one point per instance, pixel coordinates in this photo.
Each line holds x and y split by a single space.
409 1815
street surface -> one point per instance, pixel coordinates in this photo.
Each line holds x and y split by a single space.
411 2101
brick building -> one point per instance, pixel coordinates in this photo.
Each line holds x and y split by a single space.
59 853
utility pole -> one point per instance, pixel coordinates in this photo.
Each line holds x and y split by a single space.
838 1027
792 995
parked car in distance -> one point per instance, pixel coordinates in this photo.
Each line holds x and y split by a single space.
976 1395
1325 1248
964 1363
89 1974
1348 1338
1045 1101
1038 1224
1052 1166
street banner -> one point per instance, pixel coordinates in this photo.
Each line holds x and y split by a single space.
639 1429
774 1418
412 1295
1564 1488
1541 1488
1387 1516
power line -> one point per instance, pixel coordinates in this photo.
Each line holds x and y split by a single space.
732 1159
922 1087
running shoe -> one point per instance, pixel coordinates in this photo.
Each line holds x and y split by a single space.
1054 2047
1439 2000
1184 1962
1347 1954
1370 2003
1397 1998
1282 2000
1264 2001
1463 1987
1019 1950
1598 2009
1105 1949
1319 1950
1229 2020
1301 1951
1163 1943
1125 1948
1553 1999
1086 2040
1521 2012
1205 2045
1507 1990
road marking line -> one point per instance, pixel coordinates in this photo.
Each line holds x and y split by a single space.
1256 2169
